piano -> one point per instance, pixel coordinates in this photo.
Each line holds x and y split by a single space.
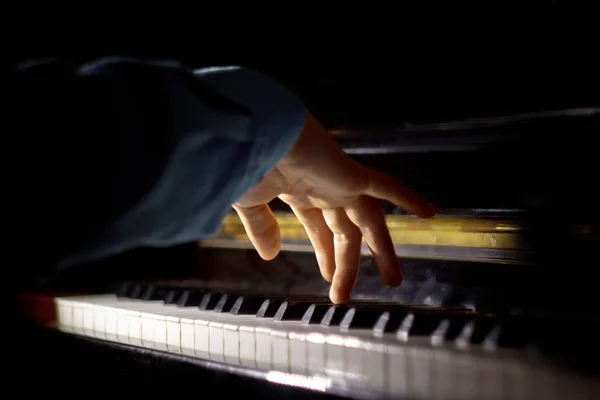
500 294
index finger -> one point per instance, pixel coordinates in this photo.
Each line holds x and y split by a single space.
385 187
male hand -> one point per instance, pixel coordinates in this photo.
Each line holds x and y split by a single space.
335 198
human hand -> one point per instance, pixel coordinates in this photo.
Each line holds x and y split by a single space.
335 198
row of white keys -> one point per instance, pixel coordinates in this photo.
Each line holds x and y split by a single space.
257 342
235 339
386 365
269 344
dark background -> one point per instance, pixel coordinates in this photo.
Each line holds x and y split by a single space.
384 72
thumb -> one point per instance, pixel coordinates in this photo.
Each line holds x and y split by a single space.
262 229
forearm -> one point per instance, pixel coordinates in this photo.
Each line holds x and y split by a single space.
131 154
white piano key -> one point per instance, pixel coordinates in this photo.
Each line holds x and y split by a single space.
441 375
419 369
216 341
316 353
354 359
148 330
64 313
247 338
88 317
280 350
122 325
100 322
173 334
489 377
201 337
78 317
134 321
263 347
160 331
372 364
231 343
464 376
110 323
334 355
298 353
187 336
396 371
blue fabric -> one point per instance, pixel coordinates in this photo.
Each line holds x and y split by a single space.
122 153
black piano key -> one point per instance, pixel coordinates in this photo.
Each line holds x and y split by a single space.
136 291
225 303
290 311
247 305
361 318
185 298
438 336
123 290
491 340
456 323
483 327
209 301
405 327
334 315
424 324
269 308
155 293
147 292
389 321
315 313
475 331
174 296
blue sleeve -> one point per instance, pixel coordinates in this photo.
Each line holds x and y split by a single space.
117 154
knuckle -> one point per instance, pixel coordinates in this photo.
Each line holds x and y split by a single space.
348 236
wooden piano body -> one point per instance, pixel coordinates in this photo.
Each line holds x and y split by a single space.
512 167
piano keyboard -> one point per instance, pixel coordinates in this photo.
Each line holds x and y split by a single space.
381 349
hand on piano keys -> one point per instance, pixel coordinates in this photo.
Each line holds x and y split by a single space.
335 198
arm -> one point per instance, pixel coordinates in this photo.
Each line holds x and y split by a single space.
118 154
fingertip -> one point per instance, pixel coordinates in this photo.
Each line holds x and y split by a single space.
337 297
391 271
395 280
427 210
269 254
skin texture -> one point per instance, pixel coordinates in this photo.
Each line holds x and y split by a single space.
335 198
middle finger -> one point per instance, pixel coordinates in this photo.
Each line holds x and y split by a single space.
347 241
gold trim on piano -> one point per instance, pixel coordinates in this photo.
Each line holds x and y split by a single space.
408 230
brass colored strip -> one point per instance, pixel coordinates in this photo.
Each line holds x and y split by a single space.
409 230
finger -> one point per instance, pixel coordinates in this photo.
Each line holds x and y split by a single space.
347 242
385 187
321 238
367 214
262 229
